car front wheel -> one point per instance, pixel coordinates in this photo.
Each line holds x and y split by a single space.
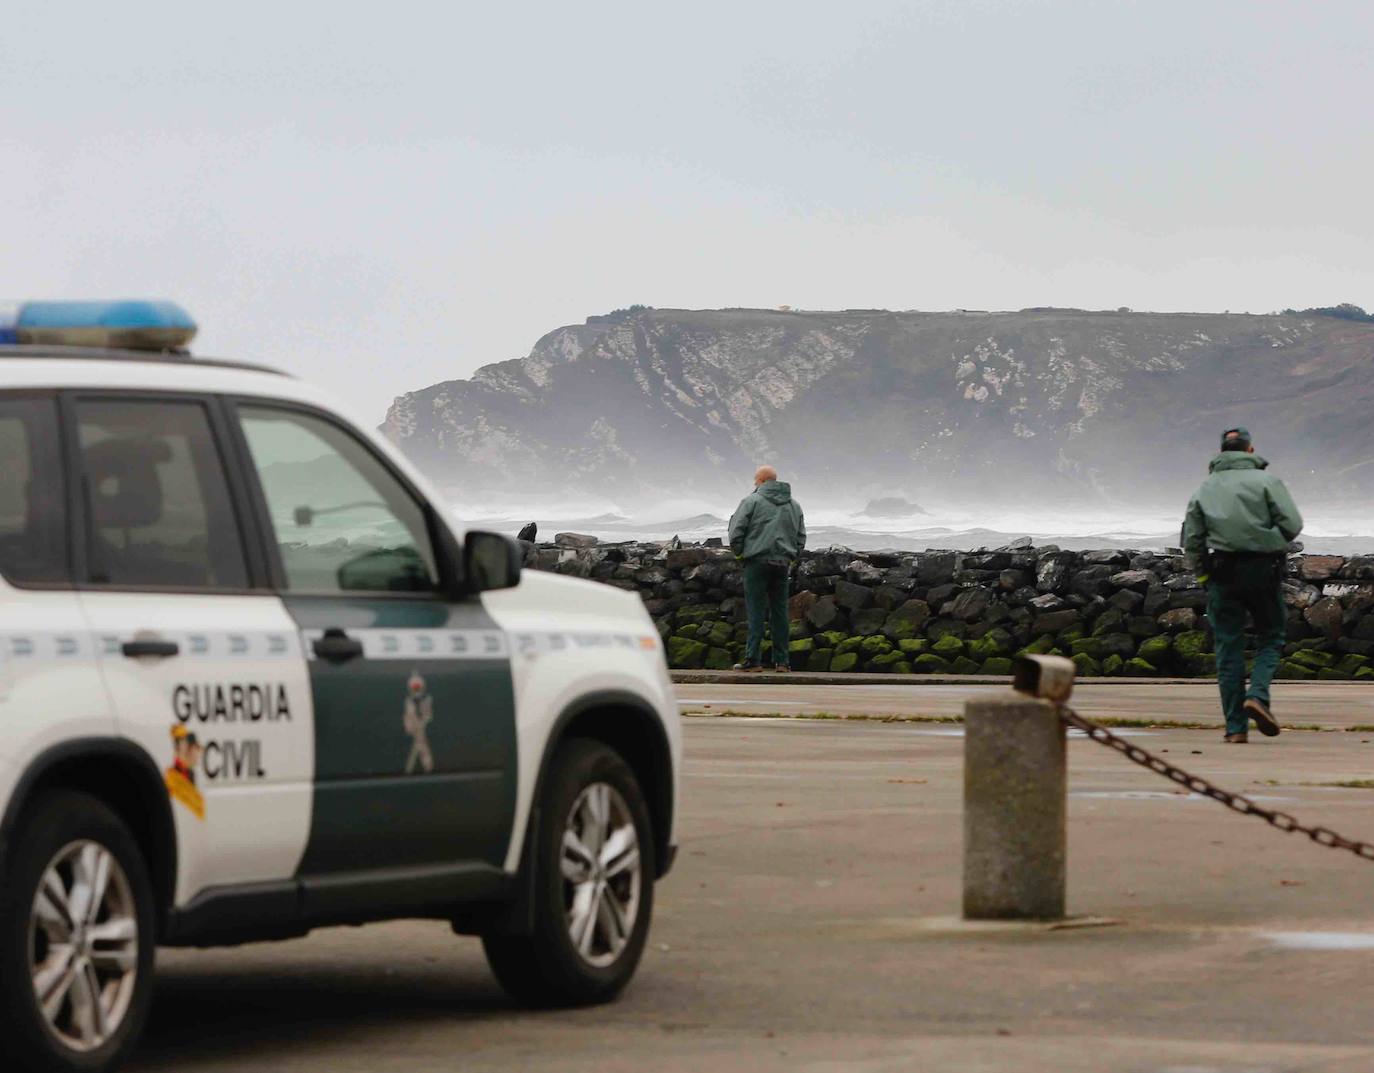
76 938
592 885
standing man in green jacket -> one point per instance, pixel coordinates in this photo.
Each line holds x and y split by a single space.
768 532
1236 536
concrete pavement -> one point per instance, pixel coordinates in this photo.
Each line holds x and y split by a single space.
1329 705
808 926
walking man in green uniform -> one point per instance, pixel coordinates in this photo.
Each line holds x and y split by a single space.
768 532
1236 536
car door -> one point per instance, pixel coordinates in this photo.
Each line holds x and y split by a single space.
201 661
50 687
412 691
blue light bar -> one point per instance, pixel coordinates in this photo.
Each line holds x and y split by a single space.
134 325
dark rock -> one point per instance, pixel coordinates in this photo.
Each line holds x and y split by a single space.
938 596
1320 567
1044 604
993 561
1054 621
1156 601
1052 573
1325 617
1296 594
916 612
651 575
1196 598
1360 568
1142 626
969 605
852 597
1092 581
1179 620
575 540
1181 581
889 596
709 574
868 623
860 572
800 604
682 558
1011 580
1118 644
1093 608
1126 599
1106 558
825 614
1110 621
819 566
936 567
1139 580
946 627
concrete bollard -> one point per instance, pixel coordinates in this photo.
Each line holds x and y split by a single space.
1015 809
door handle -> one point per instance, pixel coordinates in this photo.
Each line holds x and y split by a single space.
336 646
149 647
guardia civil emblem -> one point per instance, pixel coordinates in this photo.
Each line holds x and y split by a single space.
419 710
181 776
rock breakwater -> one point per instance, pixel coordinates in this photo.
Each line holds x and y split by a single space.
1137 614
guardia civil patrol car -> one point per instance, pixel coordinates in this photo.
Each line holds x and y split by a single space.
254 682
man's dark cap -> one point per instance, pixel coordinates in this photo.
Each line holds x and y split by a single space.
1239 436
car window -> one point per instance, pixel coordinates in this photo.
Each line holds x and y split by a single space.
157 503
33 516
343 523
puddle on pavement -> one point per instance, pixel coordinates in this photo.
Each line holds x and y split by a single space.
1321 940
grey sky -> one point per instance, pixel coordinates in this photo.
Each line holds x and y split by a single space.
387 195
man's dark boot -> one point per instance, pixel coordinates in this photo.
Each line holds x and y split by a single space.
1264 719
1236 739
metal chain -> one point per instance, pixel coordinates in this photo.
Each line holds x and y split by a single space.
1323 836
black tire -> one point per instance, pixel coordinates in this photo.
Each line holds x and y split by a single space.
54 822
546 968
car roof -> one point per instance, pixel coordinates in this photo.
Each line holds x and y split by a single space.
40 366
160 357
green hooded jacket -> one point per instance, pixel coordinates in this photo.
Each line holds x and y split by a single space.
1240 507
768 524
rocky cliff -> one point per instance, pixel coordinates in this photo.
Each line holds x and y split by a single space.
1107 407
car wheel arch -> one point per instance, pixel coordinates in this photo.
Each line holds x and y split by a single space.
122 775
630 725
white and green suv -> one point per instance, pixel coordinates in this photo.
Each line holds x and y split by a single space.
253 681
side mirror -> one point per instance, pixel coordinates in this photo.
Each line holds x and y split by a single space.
490 561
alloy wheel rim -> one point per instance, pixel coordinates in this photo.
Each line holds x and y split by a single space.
83 945
600 867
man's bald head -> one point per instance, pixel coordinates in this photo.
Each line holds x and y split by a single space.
764 474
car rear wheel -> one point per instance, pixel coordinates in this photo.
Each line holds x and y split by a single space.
76 938
592 886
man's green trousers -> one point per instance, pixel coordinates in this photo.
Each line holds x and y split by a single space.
766 589
1240 586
